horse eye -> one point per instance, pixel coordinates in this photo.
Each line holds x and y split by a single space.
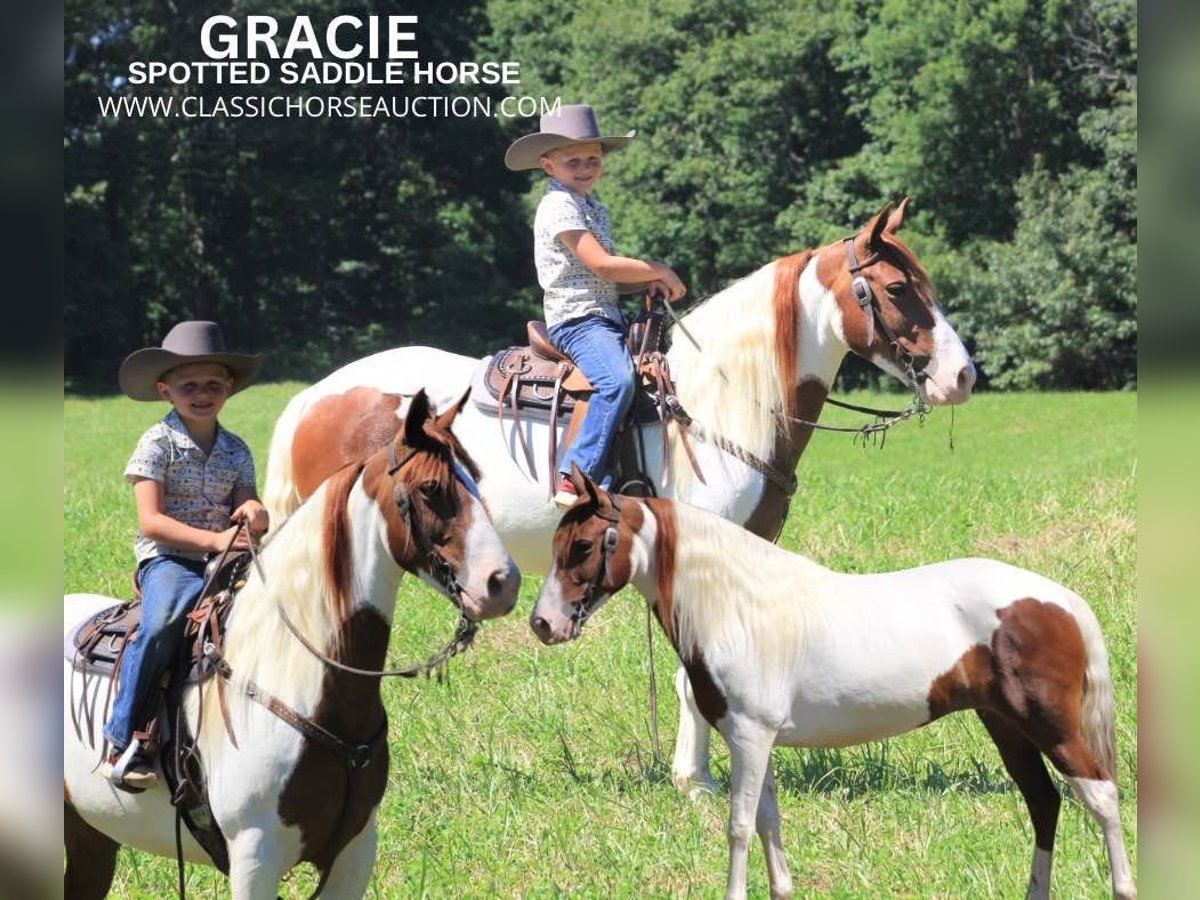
429 489
896 289
581 548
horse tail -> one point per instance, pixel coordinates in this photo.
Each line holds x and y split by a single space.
1098 726
279 492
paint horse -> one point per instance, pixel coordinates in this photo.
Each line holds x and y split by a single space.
772 344
281 796
781 650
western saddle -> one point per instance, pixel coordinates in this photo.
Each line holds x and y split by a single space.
540 383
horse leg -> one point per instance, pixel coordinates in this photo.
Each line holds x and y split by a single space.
1098 792
689 766
750 758
767 825
91 858
256 865
1024 764
351 871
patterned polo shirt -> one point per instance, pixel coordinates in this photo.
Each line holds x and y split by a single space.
198 488
572 290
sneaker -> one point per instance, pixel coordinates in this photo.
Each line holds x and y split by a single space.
129 770
566 494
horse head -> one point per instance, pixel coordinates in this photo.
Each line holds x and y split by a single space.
889 314
592 560
436 526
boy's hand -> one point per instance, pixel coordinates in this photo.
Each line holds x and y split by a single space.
221 539
666 282
255 514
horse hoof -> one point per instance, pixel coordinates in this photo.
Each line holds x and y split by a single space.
692 787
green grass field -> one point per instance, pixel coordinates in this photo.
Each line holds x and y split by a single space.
530 771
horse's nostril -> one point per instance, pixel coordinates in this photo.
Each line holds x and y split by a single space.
966 378
539 625
495 584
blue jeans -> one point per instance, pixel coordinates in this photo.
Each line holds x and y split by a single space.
597 346
169 588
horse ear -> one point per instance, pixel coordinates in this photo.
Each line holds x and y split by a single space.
415 418
446 419
877 225
583 485
897 217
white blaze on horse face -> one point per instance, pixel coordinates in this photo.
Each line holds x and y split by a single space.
951 371
551 617
489 576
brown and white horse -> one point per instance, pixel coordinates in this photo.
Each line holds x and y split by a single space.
772 345
279 796
781 650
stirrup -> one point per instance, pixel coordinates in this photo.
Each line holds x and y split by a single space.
132 782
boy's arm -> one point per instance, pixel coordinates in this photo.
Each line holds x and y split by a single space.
620 269
154 523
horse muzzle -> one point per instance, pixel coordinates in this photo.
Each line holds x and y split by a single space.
498 599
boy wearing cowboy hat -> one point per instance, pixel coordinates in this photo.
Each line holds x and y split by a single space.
581 276
193 485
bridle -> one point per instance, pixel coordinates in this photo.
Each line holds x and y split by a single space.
439 567
608 545
866 299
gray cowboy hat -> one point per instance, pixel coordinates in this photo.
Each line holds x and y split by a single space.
185 344
573 124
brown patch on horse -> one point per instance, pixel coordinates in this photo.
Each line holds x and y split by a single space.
709 699
328 801
1031 675
965 685
336 540
767 518
338 430
785 305
91 857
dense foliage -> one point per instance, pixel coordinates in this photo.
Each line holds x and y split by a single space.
764 126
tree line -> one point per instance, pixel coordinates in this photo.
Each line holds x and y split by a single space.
764 126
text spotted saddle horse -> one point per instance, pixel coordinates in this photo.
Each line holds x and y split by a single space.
97 647
538 382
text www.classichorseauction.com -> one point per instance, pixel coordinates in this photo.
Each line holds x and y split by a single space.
351 52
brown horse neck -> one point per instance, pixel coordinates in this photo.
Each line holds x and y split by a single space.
768 516
350 705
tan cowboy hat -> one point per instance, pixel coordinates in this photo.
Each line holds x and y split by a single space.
185 344
573 124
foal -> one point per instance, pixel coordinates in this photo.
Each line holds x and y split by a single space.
781 650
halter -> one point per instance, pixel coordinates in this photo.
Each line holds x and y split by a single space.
865 297
589 604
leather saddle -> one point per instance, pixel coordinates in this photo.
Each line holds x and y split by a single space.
98 643
537 381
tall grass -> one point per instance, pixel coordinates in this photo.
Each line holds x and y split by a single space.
529 772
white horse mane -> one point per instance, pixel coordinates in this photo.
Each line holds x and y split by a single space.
732 385
258 645
768 599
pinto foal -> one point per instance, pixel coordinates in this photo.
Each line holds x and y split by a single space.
780 650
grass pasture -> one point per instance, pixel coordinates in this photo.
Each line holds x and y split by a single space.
529 772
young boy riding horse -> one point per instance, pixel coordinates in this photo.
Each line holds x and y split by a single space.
582 278
193 484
